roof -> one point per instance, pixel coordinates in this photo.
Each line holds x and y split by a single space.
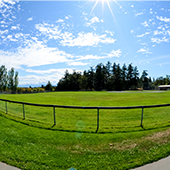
168 86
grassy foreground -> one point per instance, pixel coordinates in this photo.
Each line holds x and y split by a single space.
32 147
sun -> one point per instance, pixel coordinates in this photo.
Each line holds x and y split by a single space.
103 2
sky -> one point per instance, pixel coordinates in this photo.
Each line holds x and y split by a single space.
41 39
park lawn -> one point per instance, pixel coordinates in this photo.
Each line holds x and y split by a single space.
121 143
85 119
33 148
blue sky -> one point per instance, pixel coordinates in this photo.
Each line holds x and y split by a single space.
41 39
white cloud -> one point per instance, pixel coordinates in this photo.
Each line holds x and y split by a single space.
37 80
67 17
34 54
94 19
60 20
49 30
116 53
11 2
3 32
138 14
75 63
112 54
159 40
88 57
146 33
144 51
163 19
85 39
17 27
30 19
110 32
156 32
59 71
43 76
145 24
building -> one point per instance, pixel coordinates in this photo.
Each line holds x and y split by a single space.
164 87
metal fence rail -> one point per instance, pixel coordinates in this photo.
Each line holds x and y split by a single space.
81 107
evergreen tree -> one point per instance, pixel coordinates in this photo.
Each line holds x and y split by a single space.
90 79
135 77
118 83
49 86
98 77
144 79
130 76
124 77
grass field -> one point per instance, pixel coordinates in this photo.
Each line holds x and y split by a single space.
120 144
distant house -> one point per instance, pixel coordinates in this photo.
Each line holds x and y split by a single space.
164 87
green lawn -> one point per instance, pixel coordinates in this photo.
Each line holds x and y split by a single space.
110 120
120 144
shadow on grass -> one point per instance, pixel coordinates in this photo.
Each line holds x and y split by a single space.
41 125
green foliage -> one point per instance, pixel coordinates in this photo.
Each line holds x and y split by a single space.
8 81
3 78
49 87
103 77
162 80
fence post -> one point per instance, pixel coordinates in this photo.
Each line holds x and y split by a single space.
141 119
6 107
54 115
23 111
97 120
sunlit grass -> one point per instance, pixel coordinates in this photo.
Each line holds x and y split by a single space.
121 143
110 120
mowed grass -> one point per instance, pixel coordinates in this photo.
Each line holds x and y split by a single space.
86 119
121 143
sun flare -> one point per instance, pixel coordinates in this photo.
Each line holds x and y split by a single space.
103 2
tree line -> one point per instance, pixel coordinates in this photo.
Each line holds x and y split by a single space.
106 77
8 79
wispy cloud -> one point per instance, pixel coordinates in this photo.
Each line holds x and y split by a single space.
145 24
142 35
30 19
159 40
138 14
164 19
34 54
43 76
76 63
51 31
144 51
85 39
112 54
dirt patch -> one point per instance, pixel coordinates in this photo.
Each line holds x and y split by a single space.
136 91
160 137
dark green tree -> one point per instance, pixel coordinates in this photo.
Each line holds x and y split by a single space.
49 86
124 77
98 81
130 76
145 80
118 83
135 77
90 79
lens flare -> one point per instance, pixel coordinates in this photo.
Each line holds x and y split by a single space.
103 2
